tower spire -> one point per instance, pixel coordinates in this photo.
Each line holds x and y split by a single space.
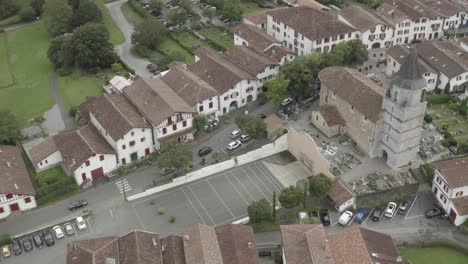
409 76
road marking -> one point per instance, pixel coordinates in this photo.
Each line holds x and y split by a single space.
253 199
138 217
89 223
219 197
411 207
235 188
394 214
123 185
110 211
256 186
193 206
368 216
414 216
258 178
203 207
352 220
261 169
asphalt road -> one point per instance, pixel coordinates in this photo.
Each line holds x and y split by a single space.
124 50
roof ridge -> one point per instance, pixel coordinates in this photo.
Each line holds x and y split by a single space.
363 241
118 110
237 67
86 142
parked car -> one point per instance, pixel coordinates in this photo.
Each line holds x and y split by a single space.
17 247
166 171
244 138
204 151
433 212
325 217
28 244
234 145
235 133
6 251
77 204
403 207
286 102
38 240
58 232
390 210
376 215
262 116
49 238
345 218
80 222
69 229
361 215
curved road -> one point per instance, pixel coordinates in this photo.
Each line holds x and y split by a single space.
124 50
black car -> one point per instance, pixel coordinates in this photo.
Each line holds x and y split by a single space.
27 244
376 215
204 151
49 238
17 247
433 212
38 240
77 204
325 217
262 116
403 207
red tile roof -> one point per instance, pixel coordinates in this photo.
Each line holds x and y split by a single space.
14 177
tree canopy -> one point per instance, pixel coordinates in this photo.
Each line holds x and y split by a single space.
57 16
37 6
291 197
200 121
260 211
177 16
87 11
8 8
232 10
277 89
175 155
252 125
319 185
10 128
149 34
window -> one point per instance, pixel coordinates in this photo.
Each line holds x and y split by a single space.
132 143
142 130
133 133
318 49
210 105
40 163
101 158
225 98
326 40
200 108
27 199
352 108
459 194
1 210
142 139
164 130
316 117
184 123
83 176
124 147
87 163
349 35
9 196
169 120
319 41
326 48
334 38
174 127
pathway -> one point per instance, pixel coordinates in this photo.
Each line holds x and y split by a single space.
63 110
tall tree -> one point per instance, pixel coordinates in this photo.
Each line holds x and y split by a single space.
57 15
149 34
319 185
8 8
177 16
156 6
252 125
232 10
277 89
37 6
260 211
175 155
10 128
87 11
358 53
290 197
57 52
300 76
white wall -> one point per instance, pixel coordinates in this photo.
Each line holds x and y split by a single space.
238 94
373 36
210 112
51 161
268 73
445 195
103 131
238 41
429 29
393 66
18 199
178 121
350 203
136 135
108 164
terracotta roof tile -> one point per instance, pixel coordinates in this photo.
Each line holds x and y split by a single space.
201 245
338 193
331 115
93 251
461 204
237 244
361 18
255 37
455 172
250 60
140 247
444 56
42 150
173 252
14 177
400 52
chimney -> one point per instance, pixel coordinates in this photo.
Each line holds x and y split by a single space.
154 242
187 238
16 187
8 164
250 245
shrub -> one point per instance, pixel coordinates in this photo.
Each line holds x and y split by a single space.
252 125
200 121
436 99
291 197
5 239
162 210
260 211
64 71
446 244
172 219
444 126
428 118
319 185
72 111
428 172
27 14
438 116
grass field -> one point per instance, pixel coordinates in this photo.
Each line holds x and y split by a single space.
433 256
14 19
75 88
53 185
6 78
132 17
30 96
217 35
251 7
174 50
458 125
115 35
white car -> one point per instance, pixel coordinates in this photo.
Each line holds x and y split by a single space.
390 210
234 145
345 218
244 138
80 222
58 232
286 101
69 229
235 133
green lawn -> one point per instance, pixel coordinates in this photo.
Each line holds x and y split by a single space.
75 88
251 7
30 96
53 185
14 19
218 36
174 50
6 78
115 35
131 15
433 255
186 39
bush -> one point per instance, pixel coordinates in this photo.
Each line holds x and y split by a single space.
27 14
137 8
319 185
436 99
172 219
5 239
200 121
162 211
428 172
72 111
64 71
252 125
428 118
446 244
291 197
260 211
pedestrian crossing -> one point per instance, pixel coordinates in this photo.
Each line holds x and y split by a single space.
123 185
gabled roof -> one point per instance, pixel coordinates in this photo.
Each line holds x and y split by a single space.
114 113
356 89
455 171
361 18
461 204
237 244
155 99
256 37
173 250
277 52
191 88
444 8
94 251
409 75
306 244
78 145
218 71
331 115
14 177
43 150
140 247
250 60
201 245
444 56
339 194
311 23
391 13
410 8
400 52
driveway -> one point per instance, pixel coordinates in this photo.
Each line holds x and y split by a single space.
124 50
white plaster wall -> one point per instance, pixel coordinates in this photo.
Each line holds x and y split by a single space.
52 160
207 110
238 94
387 41
18 199
108 164
240 41
158 132
347 204
268 73
139 147
103 131
393 66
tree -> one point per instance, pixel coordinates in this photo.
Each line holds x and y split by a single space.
74 4
27 14
300 76
57 51
232 10
57 16
8 8
87 11
290 197
175 155
260 211
252 125
358 53
200 121
177 16
156 6
274 206
447 88
209 13
185 4
90 47
319 185
117 68
148 34
277 89
37 6
10 128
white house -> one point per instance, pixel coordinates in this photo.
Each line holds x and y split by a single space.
305 30
450 186
374 32
16 190
340 197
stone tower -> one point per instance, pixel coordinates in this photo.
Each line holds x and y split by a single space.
403 115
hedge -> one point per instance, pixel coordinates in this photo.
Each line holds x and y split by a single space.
5 239
447 244
125 65
137 8
436 99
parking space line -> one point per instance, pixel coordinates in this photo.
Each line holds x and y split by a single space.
235 188
414 216
394 215
193 206
268 177
256 186
219 197
110 211
89 223
203 207
411 207
368 215
253 198
156 196
254 174
352 220
138 217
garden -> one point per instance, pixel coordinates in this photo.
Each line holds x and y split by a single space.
53 185
436 251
